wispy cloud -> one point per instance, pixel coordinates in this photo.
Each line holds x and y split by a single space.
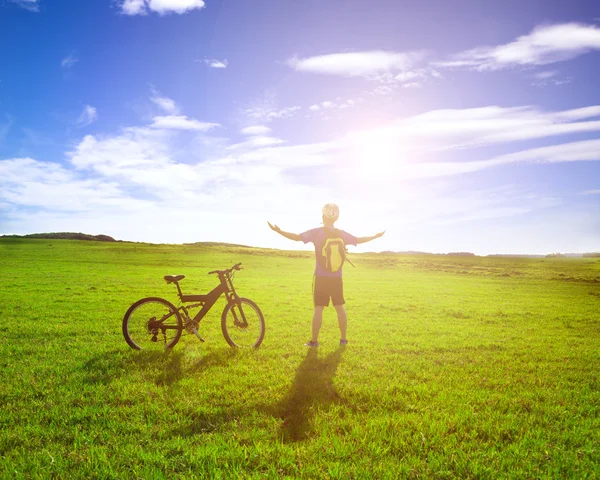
459 128
165 103
256 141
546 78
31 5
587 150
162 7
266 108
268 114
181 122
69 61
214 63
356 64
87 116
545 75
256 130
591 192
544 45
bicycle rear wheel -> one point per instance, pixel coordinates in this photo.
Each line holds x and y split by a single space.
152 324
243 324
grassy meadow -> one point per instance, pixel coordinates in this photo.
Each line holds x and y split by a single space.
457 367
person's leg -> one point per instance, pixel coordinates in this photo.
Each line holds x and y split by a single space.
342 321
320 301
337 297
316 322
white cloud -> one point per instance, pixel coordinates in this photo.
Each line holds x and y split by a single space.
181 122
545 75
133 7
165 103
214 63
147 170
591 192
50 186
256 130
411 85
244 180
356 64
265 108
544 45
544 79
410 76
69 61
31 5
256 142
327 107
268 114
162 7
587 150
87 116
383 90
443 129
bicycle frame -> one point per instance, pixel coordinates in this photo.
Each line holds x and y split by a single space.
208 300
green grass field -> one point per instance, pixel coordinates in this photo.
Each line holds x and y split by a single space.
457 367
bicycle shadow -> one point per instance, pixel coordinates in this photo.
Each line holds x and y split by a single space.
217 358
163 367
312 389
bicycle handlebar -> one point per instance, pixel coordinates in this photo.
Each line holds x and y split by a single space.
227 271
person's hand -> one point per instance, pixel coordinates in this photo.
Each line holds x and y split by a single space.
275 228
380 234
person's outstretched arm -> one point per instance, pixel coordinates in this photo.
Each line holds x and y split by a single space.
368 239
291 236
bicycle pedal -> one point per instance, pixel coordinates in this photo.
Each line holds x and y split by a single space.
197 334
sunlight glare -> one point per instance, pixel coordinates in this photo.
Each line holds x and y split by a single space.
379 155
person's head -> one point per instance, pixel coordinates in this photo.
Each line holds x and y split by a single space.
331 212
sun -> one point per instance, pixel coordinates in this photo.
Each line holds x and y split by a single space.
378 154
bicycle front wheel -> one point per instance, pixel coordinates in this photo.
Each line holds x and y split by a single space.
152 324
243 324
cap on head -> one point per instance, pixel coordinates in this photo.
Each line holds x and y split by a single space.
331 210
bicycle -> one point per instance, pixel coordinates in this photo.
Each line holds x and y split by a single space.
153 322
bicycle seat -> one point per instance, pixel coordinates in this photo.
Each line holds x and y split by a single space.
174 278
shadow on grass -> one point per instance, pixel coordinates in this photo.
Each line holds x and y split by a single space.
163 368
312 389
108 366
214 359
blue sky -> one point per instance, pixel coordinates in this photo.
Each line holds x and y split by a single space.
456 126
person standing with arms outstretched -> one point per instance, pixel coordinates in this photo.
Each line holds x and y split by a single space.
330 253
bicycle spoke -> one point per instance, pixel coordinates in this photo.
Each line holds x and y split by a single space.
243 324
152 324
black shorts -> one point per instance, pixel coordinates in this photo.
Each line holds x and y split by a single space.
325 288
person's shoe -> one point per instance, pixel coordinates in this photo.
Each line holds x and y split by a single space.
343 342
311 344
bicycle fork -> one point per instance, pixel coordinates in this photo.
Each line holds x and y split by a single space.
239 319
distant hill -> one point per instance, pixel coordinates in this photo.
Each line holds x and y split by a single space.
66 236
107 238
515 255
550 255
218 244
415 252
